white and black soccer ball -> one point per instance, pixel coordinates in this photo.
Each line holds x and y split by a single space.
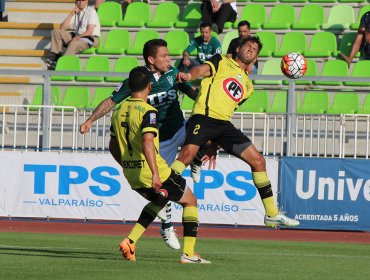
293 65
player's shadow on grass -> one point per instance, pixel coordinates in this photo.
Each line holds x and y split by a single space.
55 253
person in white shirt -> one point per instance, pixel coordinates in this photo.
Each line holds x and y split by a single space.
79 31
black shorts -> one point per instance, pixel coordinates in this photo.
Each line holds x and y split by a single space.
172 189
201 128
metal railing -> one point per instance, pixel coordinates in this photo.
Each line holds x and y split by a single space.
47 127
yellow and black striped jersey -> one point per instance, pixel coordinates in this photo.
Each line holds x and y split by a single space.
134 118
222 92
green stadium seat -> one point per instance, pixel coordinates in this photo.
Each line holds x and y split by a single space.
323 1
291 42
165 15
78 97
365 109
187 103
279 103
123 65
255 14
323 44
314 102
257 103
177 41
270 67
137 15
142 36
363 10
282 16
311 71
191 16
293 1
267 1
310 18
95 64
67 63
101 93
340 17
109 14
269 43
360 69
117 41
337 68
344 103
351 1
227 39
37 99
345 45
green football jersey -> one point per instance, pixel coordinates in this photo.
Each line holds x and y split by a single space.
164 97
204 50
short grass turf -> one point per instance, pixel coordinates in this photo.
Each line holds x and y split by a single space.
56 256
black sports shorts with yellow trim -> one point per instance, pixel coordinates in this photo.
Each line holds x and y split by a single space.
172 189
201 128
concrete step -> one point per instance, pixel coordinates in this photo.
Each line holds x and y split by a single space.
37 15
22 66
26 53
16 42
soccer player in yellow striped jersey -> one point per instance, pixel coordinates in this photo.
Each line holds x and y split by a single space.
135 127
224 87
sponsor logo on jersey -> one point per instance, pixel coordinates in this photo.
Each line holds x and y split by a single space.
233 88
152 118
170 80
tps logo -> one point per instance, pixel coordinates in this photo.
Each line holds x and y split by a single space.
69 176
236 185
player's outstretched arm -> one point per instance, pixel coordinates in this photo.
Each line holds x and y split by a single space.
195 73
103 108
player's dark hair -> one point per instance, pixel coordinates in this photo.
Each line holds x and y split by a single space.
243 23
151 48
204 24
253 39
138 79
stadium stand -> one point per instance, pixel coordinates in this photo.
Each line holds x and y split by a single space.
340 17
137 15
117 41
101 93
323 44
109 14
258 102
123 64
291 42
37 100
67 63
78 97
332 68
279 103
255 14
314 102
141 37
165 16
310 18
282 16
360 69
95 64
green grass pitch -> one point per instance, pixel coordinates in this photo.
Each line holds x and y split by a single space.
57 256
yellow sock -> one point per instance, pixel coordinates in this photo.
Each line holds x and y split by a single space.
178 166
189 245
136 232
262 182
190 222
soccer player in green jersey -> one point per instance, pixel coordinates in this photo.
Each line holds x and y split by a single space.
225 86
164 97
206 46
135 127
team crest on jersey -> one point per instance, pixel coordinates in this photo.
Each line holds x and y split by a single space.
170 80
233 88
152 118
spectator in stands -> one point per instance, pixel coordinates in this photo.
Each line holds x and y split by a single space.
218 12
244 30
84 24
2 9
362 40
206 46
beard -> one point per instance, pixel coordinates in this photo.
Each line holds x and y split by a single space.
244 59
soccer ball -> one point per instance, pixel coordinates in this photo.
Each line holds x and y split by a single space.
293 65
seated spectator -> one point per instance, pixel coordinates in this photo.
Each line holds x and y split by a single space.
218 12
84 23
206 46
2 9
244 30
362 41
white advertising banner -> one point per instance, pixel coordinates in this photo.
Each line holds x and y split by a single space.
92 186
